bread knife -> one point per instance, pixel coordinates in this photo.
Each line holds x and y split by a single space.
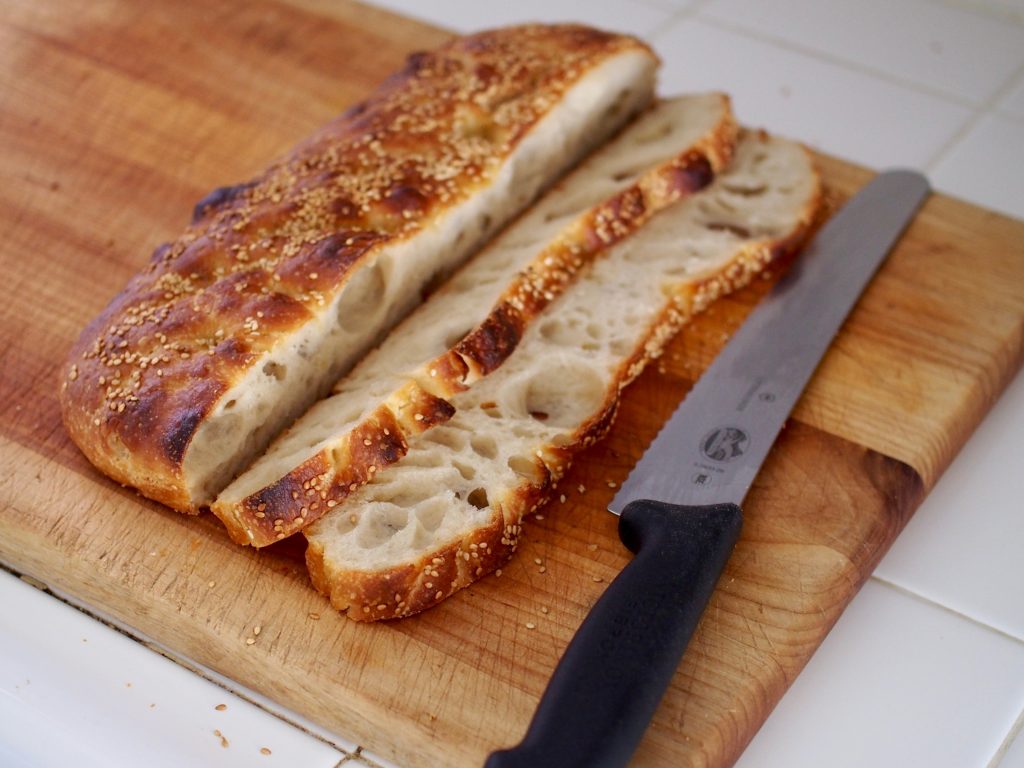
679 507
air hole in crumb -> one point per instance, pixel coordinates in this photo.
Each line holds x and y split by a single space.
275 370
484 446
568 392
654 133
735 229
478 498
467 472
361 298
525 467
746 190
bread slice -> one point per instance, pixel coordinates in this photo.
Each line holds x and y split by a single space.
469 326
282 283
452 509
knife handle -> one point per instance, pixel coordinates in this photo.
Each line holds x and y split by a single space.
607 686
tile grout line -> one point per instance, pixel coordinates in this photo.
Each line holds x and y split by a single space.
1011 736
947 609
985 110
673 19
853 66
154 647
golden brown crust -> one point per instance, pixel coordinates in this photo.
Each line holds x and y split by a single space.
485 347
361 595
261 258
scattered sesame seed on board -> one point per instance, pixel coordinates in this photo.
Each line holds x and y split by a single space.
221 707
223 739
265 751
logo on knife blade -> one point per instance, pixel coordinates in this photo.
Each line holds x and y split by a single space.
724 443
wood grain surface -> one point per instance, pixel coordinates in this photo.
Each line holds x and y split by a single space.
116 117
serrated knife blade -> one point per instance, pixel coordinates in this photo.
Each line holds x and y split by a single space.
679 506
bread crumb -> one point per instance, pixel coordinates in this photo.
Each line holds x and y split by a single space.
223 740
221 707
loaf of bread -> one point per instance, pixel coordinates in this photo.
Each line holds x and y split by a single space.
280 284
451 510
471 324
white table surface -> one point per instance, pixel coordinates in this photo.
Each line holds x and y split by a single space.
926 666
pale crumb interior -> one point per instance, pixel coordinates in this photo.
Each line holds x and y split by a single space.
657 137
566 369
385 288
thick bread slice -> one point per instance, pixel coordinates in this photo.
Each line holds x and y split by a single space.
452 509
282 283
470 325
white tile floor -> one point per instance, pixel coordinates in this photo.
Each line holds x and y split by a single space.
926 667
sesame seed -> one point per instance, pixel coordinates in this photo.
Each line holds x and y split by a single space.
250 640
265 751
581 488
257 629
598 579
530 625
418 417
221 707
538 561
314 616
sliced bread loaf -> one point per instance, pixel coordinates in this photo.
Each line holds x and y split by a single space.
282 283
470 325
452 509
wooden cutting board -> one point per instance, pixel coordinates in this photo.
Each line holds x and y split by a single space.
115 118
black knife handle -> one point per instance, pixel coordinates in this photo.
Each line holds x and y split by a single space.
607 686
